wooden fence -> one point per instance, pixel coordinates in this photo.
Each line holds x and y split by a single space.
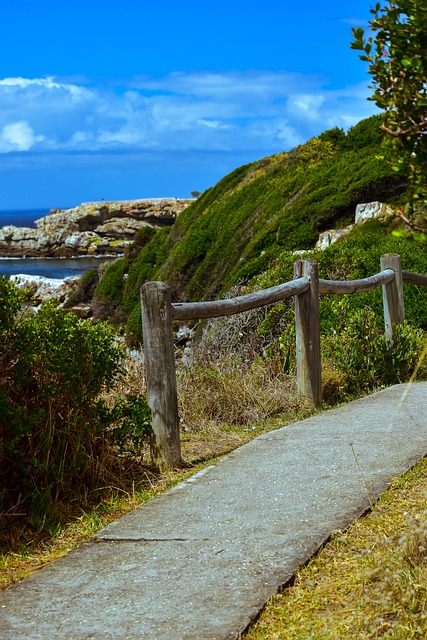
158 313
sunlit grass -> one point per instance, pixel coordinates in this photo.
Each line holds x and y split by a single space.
367 582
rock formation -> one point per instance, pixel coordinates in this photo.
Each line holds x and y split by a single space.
40 289
92 228
372 210
364 212
327 238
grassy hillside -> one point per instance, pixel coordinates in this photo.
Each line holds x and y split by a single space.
280 202
235 229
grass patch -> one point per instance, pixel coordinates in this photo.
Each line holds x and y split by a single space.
367 582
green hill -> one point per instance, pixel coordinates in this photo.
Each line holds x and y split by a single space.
238 227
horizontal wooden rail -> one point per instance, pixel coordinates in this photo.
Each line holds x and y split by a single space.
158 312
356 286
217 308
414 278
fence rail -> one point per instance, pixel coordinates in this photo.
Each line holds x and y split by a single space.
159 312
356 286
218 308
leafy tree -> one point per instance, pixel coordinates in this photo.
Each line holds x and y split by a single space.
397 58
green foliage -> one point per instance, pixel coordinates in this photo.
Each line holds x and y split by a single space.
85 289
397 58
55 431
336 135
110 286
131 419
144 268
366 133
354 352
358 256
144 235
357 348
234 230
141 238
134 327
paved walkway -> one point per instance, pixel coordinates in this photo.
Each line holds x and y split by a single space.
199 562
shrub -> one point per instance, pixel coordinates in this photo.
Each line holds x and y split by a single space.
134 327
141 238
85 289
357 351
110 287
56 432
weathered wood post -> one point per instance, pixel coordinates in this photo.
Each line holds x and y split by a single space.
161 375
394 306
307 324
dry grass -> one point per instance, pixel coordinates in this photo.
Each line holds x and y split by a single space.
368 582
226 390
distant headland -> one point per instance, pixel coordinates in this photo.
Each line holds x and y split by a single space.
90 229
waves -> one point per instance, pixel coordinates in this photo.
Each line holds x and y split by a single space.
49 267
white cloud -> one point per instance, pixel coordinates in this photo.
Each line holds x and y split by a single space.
261 110
306 106
212 124
46 84
18 136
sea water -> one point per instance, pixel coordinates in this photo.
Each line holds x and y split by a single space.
22 217
47 267
50 267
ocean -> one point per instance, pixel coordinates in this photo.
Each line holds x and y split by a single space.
22 218
47 267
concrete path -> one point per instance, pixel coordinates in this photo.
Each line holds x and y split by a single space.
199 562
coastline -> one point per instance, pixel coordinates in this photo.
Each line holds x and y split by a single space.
90 229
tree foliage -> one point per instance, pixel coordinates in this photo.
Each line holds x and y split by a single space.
397 58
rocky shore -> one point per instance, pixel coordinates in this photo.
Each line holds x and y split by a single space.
92 228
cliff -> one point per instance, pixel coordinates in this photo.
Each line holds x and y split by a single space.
92 228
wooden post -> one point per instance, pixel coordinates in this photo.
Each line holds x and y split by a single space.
394 306
161 375
307 324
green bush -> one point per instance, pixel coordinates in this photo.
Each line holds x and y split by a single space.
134 327
110 287
355 257
85 289
145 267
365 133
141 238
56 432
357 348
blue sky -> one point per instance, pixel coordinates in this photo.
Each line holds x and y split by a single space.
132 99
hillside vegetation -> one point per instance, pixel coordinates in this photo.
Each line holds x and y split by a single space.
235 229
